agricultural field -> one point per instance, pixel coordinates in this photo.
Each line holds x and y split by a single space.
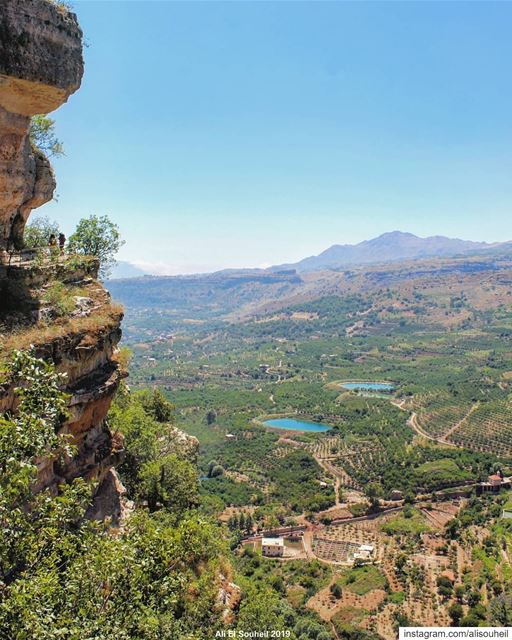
424 570
399 470
445 424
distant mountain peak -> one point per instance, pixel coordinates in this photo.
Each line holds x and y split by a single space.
388 247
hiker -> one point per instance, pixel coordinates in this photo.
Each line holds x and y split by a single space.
52 245
62 242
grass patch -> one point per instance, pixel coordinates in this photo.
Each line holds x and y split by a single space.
362 580
41 333
508 504
296 595
442 471
397 597
410 522
346 618
59 298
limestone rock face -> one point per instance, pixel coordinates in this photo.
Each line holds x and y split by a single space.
83 347
41 65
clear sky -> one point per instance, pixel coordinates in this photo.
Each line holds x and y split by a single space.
245 134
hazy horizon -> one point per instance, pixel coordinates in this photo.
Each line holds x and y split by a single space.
228 135
161 270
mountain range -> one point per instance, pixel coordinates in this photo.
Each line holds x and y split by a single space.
388 247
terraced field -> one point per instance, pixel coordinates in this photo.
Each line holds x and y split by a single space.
481 423
437 413
341 456
487 429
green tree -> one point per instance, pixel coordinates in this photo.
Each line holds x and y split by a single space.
336 590
141 440
169 482
260 610
156 405
374 492
99 237
42 408
42 135
217 471
444 586
30 524
63 576
38 232
501 610
469 620
455 611
460 592
211 417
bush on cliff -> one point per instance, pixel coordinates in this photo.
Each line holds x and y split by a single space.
42 135
156 470
64 577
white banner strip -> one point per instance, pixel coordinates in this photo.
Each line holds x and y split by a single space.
425 633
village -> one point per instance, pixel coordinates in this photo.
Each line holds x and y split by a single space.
370 572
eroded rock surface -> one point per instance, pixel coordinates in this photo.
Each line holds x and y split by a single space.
41 65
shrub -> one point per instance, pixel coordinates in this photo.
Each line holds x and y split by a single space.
59 298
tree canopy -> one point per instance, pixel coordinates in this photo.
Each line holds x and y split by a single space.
64 577
97 236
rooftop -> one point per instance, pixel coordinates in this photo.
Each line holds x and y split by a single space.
269 542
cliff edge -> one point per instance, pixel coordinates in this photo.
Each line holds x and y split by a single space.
54 303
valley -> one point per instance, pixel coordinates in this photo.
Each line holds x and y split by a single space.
315 450
394 382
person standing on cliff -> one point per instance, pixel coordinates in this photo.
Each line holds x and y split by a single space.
62 242
52 245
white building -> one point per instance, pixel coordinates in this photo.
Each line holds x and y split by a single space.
272 547
365 552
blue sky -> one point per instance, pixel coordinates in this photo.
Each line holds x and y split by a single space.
244 134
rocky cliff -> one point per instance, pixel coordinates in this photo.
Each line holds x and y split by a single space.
41 65
54 303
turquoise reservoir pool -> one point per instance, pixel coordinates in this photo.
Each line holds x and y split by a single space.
296 425
368 386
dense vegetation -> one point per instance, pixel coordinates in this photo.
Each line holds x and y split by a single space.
289 364
63 576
